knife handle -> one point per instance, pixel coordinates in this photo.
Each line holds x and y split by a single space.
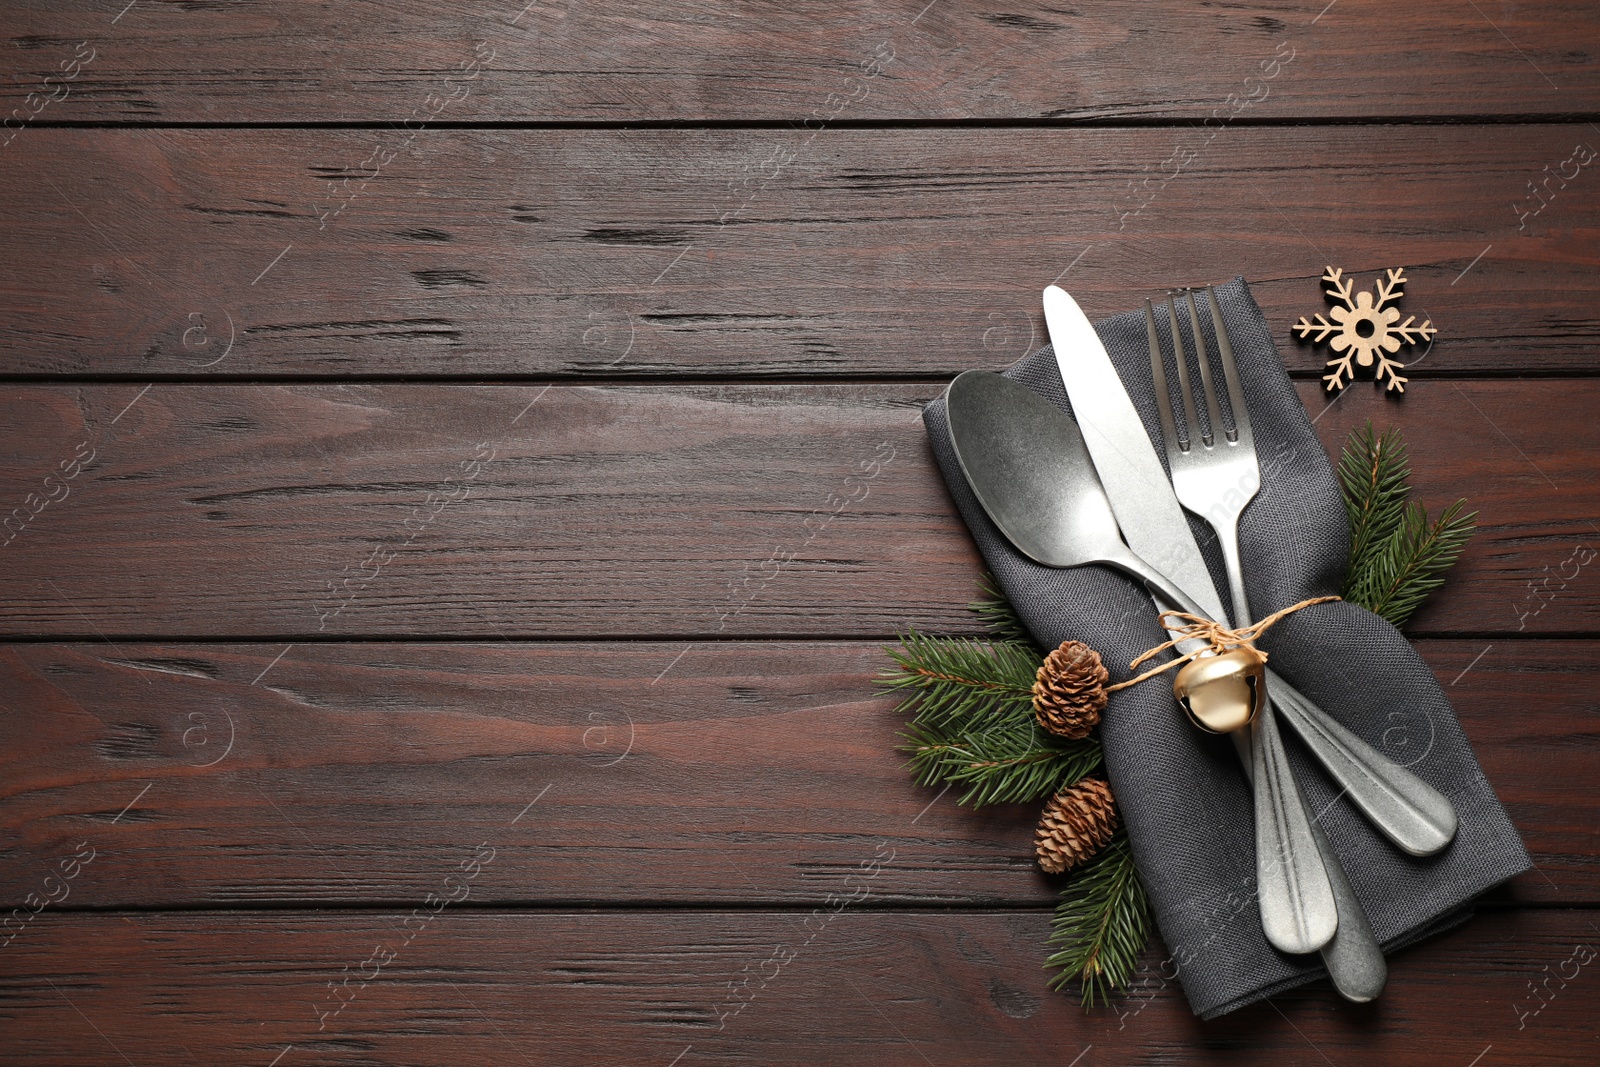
1353 958
1355 962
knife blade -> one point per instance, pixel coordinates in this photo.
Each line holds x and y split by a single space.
1142 499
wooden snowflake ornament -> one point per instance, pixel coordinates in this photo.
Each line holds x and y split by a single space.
1364 329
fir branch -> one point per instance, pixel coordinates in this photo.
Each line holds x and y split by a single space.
997 614
1001 763
1413 561
961 680
1101 924
1396 556
1373 472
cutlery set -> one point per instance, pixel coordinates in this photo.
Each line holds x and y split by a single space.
1093 490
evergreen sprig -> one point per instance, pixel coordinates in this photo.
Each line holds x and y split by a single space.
1101 924
1397 556
961 681
1413 562
1002 762
1373 473
972 724
997 614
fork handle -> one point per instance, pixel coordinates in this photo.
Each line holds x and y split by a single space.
1228 539
1295 893
1299 912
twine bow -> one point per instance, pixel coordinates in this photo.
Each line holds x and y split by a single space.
1218 638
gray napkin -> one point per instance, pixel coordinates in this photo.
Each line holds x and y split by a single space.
1182 794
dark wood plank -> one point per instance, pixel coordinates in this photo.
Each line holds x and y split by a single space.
661 988
758 773
953 59
602 511
1533 561
672 252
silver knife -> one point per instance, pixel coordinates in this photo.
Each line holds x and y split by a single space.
1414 816
1154 526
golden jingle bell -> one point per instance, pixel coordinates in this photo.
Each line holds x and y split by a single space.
1224 691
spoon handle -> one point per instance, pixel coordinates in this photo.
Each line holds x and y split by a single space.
1158 583
1404 808
1355 962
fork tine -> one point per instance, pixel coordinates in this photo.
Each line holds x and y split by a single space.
1158 374
1191 424
1210 387
1230 372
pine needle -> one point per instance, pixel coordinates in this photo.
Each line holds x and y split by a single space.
1000 763
1397 557
1101 925
962 680
997 614
1412 563
972 722
1373 472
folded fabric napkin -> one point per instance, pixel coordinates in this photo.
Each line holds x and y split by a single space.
1182 794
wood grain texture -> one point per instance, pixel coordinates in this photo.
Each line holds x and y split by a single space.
611 511
555 60
781 253
948 988
691 269
633 773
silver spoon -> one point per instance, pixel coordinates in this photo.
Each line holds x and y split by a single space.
1032 473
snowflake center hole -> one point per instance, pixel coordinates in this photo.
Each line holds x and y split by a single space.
1366 327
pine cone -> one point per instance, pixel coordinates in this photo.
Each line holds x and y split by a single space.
1077 823
1069 690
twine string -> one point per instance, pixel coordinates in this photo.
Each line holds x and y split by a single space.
1218 638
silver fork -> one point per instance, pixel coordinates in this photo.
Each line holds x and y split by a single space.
1215 473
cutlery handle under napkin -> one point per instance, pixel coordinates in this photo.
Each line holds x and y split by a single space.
1404 808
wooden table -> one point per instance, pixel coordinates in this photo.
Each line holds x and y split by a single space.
433 439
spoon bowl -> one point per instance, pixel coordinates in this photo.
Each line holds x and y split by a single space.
1031 471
